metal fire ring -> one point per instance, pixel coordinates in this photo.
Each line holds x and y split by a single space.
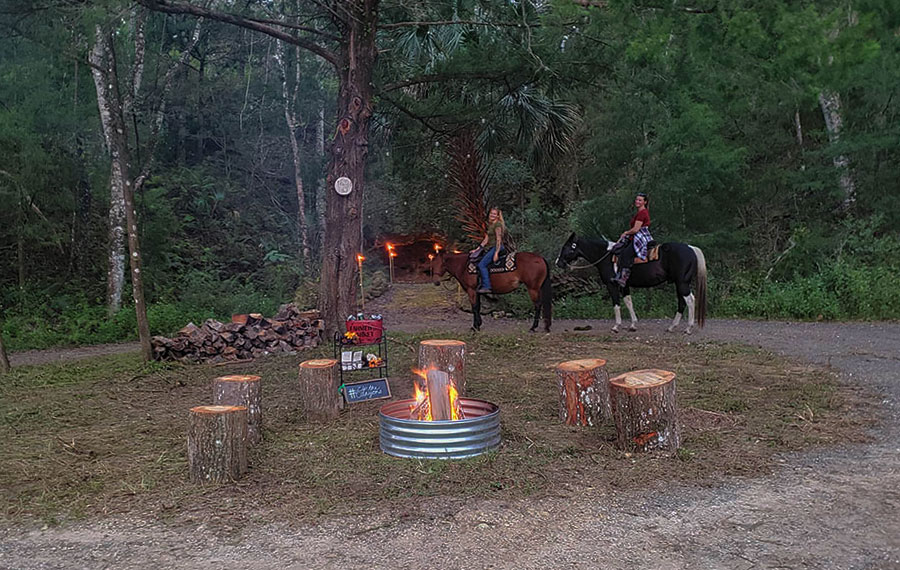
478 433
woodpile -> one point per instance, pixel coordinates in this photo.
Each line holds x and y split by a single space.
247 337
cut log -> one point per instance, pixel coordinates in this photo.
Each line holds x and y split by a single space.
240 390
644 409
217 443
583 392
438 384
320 397
447 356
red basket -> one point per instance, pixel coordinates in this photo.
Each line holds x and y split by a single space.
368 330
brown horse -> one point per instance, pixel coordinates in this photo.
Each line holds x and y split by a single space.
531 269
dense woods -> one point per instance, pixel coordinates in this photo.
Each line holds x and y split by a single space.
201 141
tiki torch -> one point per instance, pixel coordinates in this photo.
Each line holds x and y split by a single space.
391 256
362 293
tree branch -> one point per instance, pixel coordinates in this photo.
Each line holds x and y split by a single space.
437 78
454 22
174 7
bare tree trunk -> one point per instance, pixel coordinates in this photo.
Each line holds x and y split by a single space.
830 102
4 360
290 118
113 119
102 72
320 186
349 149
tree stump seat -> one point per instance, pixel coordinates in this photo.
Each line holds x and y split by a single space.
644 410
241 390
583 391
217 443
320 396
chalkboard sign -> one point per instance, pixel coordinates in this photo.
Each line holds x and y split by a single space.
376 389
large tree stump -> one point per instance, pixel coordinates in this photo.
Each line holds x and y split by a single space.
245 391
217 443
583 392
320 396
447 356
644 409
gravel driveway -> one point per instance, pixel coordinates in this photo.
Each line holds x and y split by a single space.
830 509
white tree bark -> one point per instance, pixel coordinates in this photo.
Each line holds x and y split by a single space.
290 118
102 70
830 103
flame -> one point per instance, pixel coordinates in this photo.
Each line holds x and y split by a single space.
389 246
392 254
359 257
430 256
437 248
421 410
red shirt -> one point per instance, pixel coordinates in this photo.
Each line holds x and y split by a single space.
642 216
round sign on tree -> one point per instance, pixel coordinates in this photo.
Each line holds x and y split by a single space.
343 186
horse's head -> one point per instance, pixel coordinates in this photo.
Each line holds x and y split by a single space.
437 266
568 253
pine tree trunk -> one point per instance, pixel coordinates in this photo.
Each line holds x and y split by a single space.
447 356
217 443
320 187
320 397
583 392
830 102
242 391
349 150
644 409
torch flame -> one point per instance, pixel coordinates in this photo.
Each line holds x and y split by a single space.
437 248
359 257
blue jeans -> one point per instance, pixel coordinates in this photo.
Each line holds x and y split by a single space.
483 266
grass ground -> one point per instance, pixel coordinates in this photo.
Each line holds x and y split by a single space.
107 435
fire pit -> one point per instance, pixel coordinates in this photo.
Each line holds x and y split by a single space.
437 424
478 433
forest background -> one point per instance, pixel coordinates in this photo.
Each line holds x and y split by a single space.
764 132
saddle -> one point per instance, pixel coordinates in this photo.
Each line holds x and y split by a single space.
505 262
652 254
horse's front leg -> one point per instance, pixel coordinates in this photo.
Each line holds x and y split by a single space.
614 293
630 306
475 299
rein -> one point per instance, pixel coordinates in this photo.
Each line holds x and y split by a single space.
592 264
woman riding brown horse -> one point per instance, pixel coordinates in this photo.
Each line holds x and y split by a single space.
532 270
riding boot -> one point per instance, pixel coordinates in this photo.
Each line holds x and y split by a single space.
622 277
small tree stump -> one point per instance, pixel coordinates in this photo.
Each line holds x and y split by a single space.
583 392
217 443
643 407
242 391
447 356
320 396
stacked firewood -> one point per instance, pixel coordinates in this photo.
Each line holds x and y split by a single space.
246 337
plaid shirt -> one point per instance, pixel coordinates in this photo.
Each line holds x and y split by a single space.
641 239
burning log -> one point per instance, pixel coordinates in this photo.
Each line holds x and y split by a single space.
217 443
320 397
438 384
644 409
583 392
242 391
245 338
448 356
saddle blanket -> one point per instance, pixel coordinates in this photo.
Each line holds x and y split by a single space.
652 255
504 264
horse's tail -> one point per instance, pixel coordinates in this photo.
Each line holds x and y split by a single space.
701 286
547 298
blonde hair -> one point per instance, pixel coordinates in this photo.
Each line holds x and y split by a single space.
499 214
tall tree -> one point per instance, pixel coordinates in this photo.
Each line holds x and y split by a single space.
116 101
4 359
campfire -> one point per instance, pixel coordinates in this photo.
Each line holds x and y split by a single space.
437 423
436 398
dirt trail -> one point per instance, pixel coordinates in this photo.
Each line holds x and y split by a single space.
837 508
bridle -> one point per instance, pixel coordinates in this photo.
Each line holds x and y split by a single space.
579 252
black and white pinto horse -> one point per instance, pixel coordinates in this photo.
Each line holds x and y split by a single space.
678 263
